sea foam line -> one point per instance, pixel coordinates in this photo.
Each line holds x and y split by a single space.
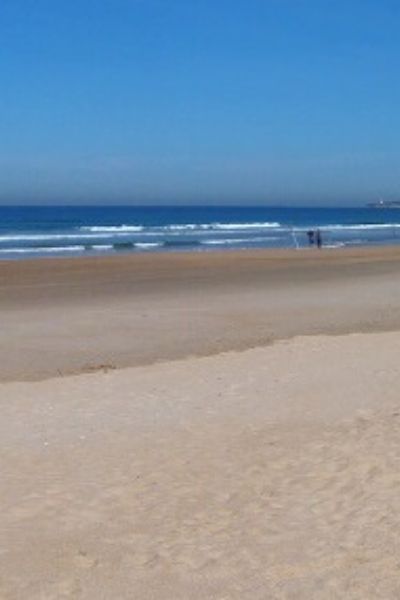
113 228
247 240
179 227
53 249
147 245
52 237
222 226
349 226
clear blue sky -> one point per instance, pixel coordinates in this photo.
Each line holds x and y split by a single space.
275 101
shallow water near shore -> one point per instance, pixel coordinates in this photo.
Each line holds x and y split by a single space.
39 231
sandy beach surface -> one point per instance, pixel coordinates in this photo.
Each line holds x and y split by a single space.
63 316
248 448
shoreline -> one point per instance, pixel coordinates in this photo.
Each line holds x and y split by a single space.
65 316
274 252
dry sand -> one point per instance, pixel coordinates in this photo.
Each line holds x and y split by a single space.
265 473
271 473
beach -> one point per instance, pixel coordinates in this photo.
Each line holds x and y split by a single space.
65 316
201 425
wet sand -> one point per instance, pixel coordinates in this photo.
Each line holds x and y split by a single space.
68 316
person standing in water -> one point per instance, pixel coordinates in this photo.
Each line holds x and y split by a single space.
318 239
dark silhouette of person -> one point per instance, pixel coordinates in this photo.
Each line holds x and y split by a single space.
318 238
310 235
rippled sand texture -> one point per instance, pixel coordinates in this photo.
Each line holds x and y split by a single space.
271 473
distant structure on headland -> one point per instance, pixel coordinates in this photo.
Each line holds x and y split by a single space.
384 204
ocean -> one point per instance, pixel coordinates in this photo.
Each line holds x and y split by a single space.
97 230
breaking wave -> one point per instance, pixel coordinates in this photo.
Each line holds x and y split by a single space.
113 228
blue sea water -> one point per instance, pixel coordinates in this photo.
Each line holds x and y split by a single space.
74 231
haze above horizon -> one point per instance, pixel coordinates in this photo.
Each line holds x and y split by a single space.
133 101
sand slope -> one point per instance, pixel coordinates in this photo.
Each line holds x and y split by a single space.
271 473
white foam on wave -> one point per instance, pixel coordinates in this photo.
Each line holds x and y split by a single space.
52 237
239 226
367 226
102 247
147 245
54 250
226 242
217 226
57 249
220 226
116 229
351 227
184 227
248 240
336 245
113 228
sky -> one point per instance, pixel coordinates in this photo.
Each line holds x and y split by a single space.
199 101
